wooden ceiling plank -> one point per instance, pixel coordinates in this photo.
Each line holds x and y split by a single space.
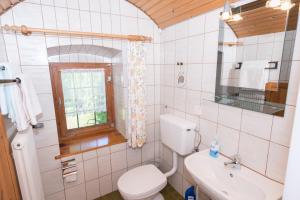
5 4
173 7
194 12
182 10
140 3
149 4
14 1
160 6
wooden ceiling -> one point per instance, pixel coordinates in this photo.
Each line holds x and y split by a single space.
260 20
168 12
7 4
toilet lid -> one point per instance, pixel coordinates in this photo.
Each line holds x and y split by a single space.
141 182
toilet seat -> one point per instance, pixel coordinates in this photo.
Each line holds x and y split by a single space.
141 182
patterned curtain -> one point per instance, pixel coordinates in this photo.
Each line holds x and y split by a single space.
136 127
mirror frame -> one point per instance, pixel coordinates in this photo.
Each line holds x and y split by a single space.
229 95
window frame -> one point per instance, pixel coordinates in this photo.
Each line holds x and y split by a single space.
58 98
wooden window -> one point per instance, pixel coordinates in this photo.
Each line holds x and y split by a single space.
83 98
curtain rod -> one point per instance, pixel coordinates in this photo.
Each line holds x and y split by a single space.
25 30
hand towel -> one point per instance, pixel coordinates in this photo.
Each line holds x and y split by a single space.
29 99
254 75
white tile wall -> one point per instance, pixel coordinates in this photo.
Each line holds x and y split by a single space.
98 170
256 137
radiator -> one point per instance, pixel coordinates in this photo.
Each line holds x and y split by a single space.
27 166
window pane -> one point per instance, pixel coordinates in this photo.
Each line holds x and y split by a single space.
82 79
86 119
71 121
69 101
84 97
101 117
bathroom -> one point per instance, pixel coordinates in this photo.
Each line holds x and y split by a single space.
189 91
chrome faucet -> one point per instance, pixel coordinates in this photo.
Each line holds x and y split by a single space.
235 163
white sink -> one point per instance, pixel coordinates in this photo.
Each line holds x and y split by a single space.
226 183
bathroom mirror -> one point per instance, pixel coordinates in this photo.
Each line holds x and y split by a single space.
255 57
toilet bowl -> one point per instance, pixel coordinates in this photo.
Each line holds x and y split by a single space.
142 183
145 182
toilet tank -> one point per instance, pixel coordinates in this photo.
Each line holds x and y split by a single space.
178 134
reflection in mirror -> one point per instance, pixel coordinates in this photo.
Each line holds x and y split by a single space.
254 57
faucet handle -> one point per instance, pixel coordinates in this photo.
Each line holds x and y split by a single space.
237 158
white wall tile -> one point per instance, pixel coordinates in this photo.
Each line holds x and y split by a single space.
76 193
229 140
93 189
46 158
148 152
52 182
282 127
293 83
210 46
194 75
46 136
49 17
47 105
253 152
91 169
257 124
57 196
118 161
134 157
104 165
277 162
117 147
209 78
105 185
32 50
208 131
209 110
196 25
180 99
195 49
212 21
230 116
192 100
21 16
115 177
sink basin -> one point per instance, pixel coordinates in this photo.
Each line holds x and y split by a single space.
225 183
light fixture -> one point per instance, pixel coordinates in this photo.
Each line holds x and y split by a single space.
273 3
280 4
227 12
286 5
235 18
227 15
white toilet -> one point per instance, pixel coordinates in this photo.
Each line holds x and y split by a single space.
145 182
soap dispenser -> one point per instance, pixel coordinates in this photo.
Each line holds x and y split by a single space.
214 149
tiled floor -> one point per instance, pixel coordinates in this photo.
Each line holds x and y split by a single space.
168 192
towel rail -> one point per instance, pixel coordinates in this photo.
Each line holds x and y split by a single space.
274 63
17 80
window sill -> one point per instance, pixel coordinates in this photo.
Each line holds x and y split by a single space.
90 143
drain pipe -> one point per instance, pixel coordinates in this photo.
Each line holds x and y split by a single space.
174 168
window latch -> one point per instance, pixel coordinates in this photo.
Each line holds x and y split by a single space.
109 78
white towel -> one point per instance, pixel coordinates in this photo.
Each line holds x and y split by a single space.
19 101
254 75
28 106
6 93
